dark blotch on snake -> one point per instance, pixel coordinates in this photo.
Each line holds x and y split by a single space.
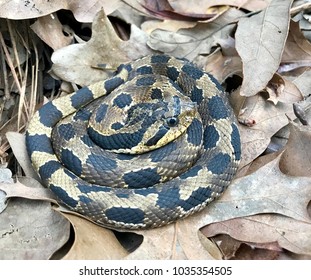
196 95
219 163
117 126
217 108
145 81
71 161
101 112
122 100
88 188
40 143
67 131
172 73
195 132
159 134
169 198
160 59
192 172
101 163
192 71
112 83
197 197
211 137
49 115
125 215
66 199
47 170
144 70
81 97
142 178
156 93
235 141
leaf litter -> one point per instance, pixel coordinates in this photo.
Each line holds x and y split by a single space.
260 53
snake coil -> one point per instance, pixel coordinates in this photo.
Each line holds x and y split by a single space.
185 120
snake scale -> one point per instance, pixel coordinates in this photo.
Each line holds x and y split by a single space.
154 143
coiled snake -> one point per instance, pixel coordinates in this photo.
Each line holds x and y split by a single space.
161 145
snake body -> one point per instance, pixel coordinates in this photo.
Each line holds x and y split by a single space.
181 154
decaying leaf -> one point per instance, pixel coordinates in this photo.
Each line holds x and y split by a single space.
30 229
191 6
199 40
260 42
39 8
80 63
296 159
50 30
93 242
288 233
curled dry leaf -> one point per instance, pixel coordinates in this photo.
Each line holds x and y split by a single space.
260 42
303 83
39 8
297 49
267 119
296 159
50 30
93 242
190 43
18 144
282 90
30 229
192 6
79 63
221 66
290 234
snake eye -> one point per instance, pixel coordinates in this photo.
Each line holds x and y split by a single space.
171 122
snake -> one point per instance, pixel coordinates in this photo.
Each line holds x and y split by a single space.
154 143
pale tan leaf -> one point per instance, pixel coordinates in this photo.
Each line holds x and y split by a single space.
93 242
282 90
303 83
193 7
173 242
50 30
262 120
18 144
37 8
296 159
260 41
80 63
297 48
190 43
30 229
289 233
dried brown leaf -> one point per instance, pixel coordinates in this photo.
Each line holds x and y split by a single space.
303 83
221 66
30 229
190 43
18 144
296 159
266 119
260 42
193 7
50 30
297 48
289 233
282 90
39 8
79 63
93 242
